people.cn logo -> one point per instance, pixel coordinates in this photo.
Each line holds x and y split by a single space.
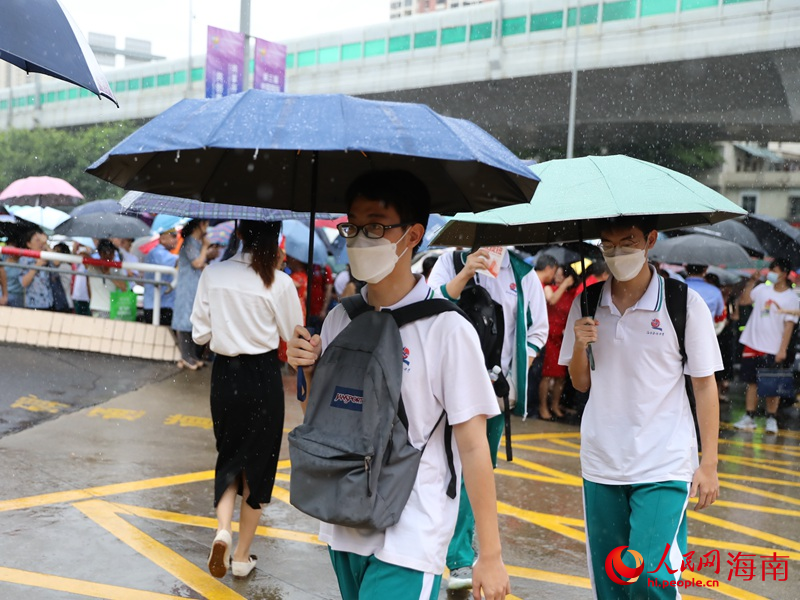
618 571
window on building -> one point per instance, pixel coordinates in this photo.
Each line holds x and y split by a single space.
794 207
749 201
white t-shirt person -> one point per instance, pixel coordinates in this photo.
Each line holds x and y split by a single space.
764 329
436 376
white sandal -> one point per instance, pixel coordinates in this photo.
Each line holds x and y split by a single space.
243 569
220 555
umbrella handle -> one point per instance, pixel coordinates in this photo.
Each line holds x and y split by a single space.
302 385
590 356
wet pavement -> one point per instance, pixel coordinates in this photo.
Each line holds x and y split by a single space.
115 501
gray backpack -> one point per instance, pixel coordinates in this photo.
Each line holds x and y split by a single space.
352 463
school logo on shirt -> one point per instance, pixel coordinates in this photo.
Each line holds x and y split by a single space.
655 328
406 361
513 287
348 398
618 571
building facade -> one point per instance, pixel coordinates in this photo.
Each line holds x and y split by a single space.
761 179
406 8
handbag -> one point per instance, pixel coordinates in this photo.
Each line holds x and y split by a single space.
60 302
123 306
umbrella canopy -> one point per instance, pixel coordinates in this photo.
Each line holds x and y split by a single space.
41 191
725 276
697 249
300 152
195 209
576 195
164 223
732 231
221 234
39 36
435 224
296 235
570 253
103 225
45 217
779 239
97 206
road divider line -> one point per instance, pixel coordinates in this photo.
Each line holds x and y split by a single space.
77 586
211 523
754 479
107 516
778 540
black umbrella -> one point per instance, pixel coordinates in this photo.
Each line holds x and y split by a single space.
97 207
39 36
696 249
103 225
732 231
780 240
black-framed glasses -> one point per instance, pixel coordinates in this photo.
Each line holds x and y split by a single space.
373 231
626 245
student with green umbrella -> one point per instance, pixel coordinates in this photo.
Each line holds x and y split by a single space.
639 452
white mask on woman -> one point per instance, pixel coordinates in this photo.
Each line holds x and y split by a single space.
372 260
625 263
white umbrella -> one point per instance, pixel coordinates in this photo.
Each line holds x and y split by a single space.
45 217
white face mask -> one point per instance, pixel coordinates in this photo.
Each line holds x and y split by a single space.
772 277
625 265
372 260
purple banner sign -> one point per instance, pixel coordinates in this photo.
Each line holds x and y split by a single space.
224 62
270 68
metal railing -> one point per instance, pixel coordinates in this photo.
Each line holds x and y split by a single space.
158 270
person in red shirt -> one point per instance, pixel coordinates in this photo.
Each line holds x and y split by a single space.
559 296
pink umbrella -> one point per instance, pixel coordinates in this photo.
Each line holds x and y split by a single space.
41 191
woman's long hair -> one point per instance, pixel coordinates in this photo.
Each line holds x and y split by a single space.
260 239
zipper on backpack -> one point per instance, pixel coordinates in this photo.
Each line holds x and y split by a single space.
367 467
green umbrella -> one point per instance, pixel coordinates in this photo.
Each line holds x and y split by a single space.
576 195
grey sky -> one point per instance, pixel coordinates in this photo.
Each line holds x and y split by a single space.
166 22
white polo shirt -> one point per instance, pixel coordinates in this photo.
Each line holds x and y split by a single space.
764 329
443 370
638 426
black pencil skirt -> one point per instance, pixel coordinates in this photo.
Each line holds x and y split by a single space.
247 408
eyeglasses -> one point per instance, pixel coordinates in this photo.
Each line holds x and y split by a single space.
626 245
373 231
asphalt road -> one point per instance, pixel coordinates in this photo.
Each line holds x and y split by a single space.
39 384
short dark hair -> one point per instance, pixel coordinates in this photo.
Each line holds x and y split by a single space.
597 268
545 260
782 263
644 223
696 269
427 265
62 248
399 189
106 245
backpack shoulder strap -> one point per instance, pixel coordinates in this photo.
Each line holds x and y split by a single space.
355 305
593 294
424 308
458 261
676 294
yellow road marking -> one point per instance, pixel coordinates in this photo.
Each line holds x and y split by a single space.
531 477
108 517
526 437
758 492
791 450
549 576
745 548
566 444
754 479
723 588
113 489
747 462
566 477
563 525
211 523
770 510
104 490
77 586
779 541
758 460
546 450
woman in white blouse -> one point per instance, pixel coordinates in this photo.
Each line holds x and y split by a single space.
242 307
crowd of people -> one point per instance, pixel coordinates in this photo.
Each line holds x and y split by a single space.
557 356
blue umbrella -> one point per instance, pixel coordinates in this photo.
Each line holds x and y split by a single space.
39 36
300 152
195 209
296 234
435 223
165 222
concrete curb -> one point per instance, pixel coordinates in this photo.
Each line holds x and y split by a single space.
77 332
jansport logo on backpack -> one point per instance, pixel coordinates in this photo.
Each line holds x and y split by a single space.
352 462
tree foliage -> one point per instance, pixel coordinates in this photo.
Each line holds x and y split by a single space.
63 153
683 157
